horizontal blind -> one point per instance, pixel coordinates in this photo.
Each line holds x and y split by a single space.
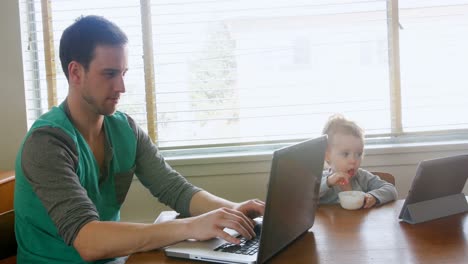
243 72
434 53
33 59
248 71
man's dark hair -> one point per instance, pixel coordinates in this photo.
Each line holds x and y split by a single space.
80 39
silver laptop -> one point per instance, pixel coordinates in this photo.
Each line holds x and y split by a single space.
436 190
292 198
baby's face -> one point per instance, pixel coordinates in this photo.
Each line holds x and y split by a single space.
344 154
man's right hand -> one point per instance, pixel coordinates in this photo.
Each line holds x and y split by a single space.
212 224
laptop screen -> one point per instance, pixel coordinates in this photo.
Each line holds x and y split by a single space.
292 198
293 194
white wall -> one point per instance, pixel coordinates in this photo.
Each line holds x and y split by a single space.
12 104
236 178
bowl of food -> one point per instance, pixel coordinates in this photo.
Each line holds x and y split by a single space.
351 200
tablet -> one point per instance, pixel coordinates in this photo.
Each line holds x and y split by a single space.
436 190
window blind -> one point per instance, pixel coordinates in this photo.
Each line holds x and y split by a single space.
233 72
433 61
249 71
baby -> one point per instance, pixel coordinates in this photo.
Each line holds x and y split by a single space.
343 157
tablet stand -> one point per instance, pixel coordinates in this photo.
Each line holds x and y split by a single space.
435 208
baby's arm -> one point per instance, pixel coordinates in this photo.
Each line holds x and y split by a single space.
332 179
369 200
381 190
338 178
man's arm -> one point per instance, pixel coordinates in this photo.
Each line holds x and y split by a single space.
53 178
211 213
203 202
49 160
169 186
100 240
383 191
160 178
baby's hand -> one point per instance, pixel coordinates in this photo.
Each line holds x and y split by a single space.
369 200
338 178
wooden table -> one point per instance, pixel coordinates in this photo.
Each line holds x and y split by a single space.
366 236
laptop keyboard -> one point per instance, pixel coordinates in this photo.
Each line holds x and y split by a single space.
246 246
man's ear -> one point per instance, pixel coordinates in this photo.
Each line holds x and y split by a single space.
75 73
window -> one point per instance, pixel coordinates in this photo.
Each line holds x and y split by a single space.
433 57
237 72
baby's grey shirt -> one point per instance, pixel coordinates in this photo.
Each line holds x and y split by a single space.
363 181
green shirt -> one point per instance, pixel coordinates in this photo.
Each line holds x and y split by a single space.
50 210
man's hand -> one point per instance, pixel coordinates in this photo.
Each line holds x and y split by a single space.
251 208
212 224
211 214
238 218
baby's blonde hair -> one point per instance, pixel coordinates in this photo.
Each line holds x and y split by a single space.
338 124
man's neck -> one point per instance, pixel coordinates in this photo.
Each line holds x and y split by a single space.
89 123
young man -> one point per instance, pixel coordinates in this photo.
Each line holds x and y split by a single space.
76 164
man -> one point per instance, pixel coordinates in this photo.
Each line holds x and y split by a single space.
76 164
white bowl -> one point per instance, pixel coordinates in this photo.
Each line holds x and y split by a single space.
351 200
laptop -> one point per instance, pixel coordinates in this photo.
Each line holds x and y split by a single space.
292 199
436 190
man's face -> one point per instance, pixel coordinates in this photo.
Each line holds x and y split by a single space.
345 153
104 81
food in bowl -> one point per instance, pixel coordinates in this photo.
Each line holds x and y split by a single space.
351 200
